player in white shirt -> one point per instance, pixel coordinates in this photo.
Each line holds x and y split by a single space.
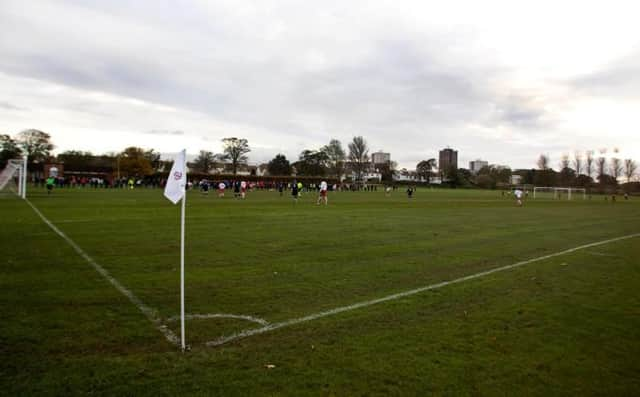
221 187
518 194
243 189
322 197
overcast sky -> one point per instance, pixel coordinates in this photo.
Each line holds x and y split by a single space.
498 80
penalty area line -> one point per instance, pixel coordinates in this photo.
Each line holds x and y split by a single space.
146 310
274 326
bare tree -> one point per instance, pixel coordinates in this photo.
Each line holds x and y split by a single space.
234 151
359 156
629 169
601 164
543 162
564 161
577 162
588 165
615 167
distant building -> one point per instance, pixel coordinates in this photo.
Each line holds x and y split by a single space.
516 179
380 157
405 175
477 165
54 170
448 159
368 176
262 170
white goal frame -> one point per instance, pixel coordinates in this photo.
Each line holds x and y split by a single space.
13 166
557 190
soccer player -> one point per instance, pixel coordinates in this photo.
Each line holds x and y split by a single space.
518 194
322 197
409 192
50 182
243 189
221 187
236 188
295 192
204 186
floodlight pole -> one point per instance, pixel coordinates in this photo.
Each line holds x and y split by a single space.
182 337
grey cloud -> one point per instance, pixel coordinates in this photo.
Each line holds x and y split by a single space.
10 106
396 83
402 89
520 111
618 79
164 132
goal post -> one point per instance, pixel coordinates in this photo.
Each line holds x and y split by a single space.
557 192
15 174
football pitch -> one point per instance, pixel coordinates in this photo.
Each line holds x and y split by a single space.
452 292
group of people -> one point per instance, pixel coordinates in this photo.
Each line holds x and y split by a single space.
323 188
97 182
240 189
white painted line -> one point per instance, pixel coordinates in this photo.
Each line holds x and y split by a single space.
150 313
274 326
220 315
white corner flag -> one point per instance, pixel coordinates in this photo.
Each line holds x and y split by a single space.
175 190
177 180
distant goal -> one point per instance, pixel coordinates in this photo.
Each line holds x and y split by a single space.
13 178
559 193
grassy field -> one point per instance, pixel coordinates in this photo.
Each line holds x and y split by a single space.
567 325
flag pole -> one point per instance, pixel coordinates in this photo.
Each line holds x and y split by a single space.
184 199
176 190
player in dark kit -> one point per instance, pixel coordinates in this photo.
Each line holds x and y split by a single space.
294 192
204 186
409 192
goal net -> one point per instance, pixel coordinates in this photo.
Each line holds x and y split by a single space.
559 193
13 178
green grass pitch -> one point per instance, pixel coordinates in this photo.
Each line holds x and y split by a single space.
567 325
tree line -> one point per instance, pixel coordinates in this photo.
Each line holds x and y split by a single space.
132 161
331 160
583 170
